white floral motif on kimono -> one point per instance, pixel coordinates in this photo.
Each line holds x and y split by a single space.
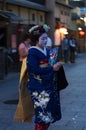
42 100
46 118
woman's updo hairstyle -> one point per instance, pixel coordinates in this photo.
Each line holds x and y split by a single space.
36 31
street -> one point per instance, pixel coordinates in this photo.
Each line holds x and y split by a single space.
73 100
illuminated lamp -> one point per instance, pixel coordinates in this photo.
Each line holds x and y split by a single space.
63 30
81 33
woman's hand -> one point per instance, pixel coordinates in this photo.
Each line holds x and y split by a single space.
56 66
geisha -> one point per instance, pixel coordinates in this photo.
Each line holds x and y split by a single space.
45 98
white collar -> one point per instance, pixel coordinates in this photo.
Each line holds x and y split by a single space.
43 51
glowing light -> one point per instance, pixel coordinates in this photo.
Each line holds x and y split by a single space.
79 29
82 33
63 30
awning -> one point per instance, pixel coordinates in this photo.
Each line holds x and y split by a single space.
9 16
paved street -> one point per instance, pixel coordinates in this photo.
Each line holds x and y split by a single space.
73 100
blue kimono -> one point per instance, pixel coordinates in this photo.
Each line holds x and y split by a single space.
43 92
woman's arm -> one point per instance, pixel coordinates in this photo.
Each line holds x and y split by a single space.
22 50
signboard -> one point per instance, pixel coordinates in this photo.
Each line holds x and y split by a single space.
83 10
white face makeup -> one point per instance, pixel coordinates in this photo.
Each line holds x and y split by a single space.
43 40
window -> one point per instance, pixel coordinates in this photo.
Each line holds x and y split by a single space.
62 12
65 13
33 17
41 18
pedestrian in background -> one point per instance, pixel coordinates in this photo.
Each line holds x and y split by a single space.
45 98
24 47
65 48
57 36
72 45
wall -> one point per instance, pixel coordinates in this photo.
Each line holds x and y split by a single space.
64 14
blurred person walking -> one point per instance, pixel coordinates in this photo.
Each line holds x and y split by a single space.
65 48
72 45
57 36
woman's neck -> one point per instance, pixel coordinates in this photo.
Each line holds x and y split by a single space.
40 47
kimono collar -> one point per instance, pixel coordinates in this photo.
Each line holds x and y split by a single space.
41 50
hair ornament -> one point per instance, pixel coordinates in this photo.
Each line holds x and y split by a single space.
46 27
37 30
33 28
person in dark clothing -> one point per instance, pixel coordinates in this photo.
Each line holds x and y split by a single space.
72 45
65 48
45 98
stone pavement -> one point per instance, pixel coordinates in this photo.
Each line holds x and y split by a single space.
73 100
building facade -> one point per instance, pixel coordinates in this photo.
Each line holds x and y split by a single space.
17 15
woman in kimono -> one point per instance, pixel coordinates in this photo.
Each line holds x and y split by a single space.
41 87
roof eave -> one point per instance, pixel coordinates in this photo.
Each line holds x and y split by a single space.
65 5
28 4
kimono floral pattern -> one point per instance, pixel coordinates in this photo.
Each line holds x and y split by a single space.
41 100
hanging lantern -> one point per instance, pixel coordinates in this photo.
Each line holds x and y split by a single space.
81 33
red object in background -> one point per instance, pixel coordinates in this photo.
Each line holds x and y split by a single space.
81 33
20 30
13 41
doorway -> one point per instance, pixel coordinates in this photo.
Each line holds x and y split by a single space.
3 38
